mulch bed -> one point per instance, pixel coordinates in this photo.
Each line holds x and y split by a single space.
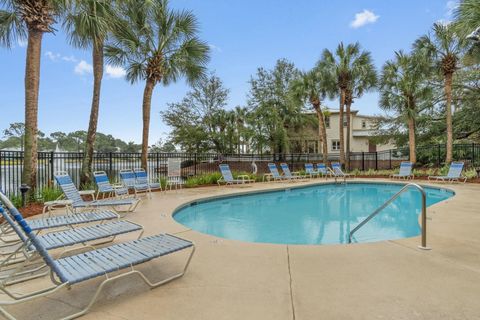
31 209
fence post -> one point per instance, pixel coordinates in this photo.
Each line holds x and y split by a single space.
52 165
390 158
363 161
473 154
195 167
376 160
110 164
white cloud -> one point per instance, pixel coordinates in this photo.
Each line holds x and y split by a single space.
52 56
115 72
83 67
363 18
214 47
69 59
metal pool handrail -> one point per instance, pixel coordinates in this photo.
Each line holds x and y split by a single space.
395 196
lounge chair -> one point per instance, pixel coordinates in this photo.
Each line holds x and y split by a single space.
324 170
71 193
67 271
310 170
454 173
274 172
227 177
130 181
288 174
338 172
141 178
405 171
174 174
105 187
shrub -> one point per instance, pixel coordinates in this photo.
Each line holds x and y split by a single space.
49 194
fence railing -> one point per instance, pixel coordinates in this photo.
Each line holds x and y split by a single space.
192 164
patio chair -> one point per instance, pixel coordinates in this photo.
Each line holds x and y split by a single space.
227 177
324 170
71 193
174 174
288 174
405 171
66 272
310 170
130 181
141 178
105 187
454 174
338 172
274 172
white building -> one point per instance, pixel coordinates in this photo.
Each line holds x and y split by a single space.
363 128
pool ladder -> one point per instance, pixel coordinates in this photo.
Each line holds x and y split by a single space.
395 196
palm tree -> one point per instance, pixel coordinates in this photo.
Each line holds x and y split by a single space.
363 78
338 66
157 45
467 17
310 87
445 49
29 19
402 90
89 24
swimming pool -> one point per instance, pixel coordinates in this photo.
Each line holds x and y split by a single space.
319 214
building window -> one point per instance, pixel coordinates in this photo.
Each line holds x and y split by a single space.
335 145
344 120
364 124
327 122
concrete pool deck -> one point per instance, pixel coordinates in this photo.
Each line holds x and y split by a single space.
237 280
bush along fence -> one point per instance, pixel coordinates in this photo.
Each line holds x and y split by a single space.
192 164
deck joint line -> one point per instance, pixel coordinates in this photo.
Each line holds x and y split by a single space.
290 283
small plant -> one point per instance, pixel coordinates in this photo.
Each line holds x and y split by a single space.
16 201
49 194
471 174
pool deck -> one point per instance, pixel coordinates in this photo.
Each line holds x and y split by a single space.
237 280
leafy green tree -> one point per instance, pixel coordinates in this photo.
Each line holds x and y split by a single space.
30 19
404 91
310 87
89 24
163 146
363 78
445 49
157 45
271 108
131 147
339 67
199 121
15 132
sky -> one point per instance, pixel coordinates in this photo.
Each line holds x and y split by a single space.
243 36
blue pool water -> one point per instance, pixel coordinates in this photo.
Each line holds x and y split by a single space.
318 214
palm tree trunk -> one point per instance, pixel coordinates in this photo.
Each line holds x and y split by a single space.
97 56
32 83
342 133
349 104
147 104
322 132
448 93
411 139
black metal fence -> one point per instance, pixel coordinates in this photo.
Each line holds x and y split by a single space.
11 162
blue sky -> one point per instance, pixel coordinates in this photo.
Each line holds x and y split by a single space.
243 35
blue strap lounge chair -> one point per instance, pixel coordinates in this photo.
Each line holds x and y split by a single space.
71 193
454 174
141 178
227 177
405 171
324 170
288 174
310 170
130 181
66 272
338 172
105 187
274 172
